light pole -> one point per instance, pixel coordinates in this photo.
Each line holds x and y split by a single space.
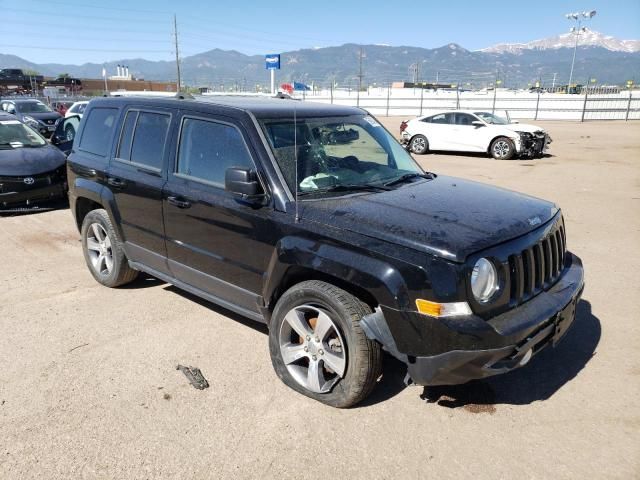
577 17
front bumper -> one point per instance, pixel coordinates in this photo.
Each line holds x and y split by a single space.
32 199
533 145
449 352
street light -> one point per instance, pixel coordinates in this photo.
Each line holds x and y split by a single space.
577 17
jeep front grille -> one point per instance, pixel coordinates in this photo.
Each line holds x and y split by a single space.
538 267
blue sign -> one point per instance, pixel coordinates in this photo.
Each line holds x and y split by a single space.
272 61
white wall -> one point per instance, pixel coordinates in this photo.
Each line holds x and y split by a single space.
519 104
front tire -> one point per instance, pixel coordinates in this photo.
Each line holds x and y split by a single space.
502 148
318 347
103 251
419 145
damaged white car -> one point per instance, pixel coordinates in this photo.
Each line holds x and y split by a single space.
474 131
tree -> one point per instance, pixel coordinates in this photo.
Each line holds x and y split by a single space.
64 75
30 71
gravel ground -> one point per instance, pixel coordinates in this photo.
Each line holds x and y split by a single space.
89 387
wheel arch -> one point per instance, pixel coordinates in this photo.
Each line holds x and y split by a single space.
296 259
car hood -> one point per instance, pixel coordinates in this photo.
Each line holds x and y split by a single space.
43 115
447 217
524 127
20 162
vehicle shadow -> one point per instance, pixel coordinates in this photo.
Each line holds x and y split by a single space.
545 375
144 280
484 156
257 326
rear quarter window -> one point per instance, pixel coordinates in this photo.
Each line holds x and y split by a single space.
98 131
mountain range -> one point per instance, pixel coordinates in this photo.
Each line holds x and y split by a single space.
599 56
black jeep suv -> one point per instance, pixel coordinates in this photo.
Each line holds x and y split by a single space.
313 219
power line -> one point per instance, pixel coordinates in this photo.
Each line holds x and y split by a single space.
40 47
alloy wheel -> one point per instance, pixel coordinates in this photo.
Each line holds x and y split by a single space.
419 145
312 348
501 149
99 249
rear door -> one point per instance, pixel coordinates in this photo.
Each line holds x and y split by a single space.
215 242
440 133
135 177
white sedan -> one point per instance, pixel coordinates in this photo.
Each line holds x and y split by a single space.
474 131
77 109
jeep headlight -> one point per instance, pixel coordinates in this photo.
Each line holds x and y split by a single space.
484 280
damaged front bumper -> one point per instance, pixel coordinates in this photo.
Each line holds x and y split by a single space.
469 347
533 145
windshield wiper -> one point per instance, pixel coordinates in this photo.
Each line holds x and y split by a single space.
348 187
409 176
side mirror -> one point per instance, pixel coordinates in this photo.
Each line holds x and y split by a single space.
477 123
243 182
11 109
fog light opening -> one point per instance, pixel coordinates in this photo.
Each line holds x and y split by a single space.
526 358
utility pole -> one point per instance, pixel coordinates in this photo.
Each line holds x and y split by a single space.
359 78
553 85
175 35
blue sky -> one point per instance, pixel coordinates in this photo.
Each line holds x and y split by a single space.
77 31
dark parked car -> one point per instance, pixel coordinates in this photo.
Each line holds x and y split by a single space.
33 113
32 172
313 219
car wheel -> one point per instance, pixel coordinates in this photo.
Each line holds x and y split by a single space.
502 148
69 133
103 251
318 347
419 145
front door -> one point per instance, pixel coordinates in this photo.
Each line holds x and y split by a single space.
215 242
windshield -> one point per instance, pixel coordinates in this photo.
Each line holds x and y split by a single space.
335 152
32 107
491 118
14 134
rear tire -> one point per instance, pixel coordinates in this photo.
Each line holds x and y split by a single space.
419 145
103 251
316 323
502 148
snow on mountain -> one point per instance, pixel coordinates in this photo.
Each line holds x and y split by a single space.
589 38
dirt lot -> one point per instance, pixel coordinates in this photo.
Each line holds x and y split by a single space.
89 389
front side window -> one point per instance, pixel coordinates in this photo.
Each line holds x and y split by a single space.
336 152
96 135
207 149
465 119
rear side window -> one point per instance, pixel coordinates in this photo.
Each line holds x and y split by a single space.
97 131
208 148
143 137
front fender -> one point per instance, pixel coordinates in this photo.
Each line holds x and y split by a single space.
378 278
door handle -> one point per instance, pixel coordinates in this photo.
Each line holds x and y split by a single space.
116 182
179 203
